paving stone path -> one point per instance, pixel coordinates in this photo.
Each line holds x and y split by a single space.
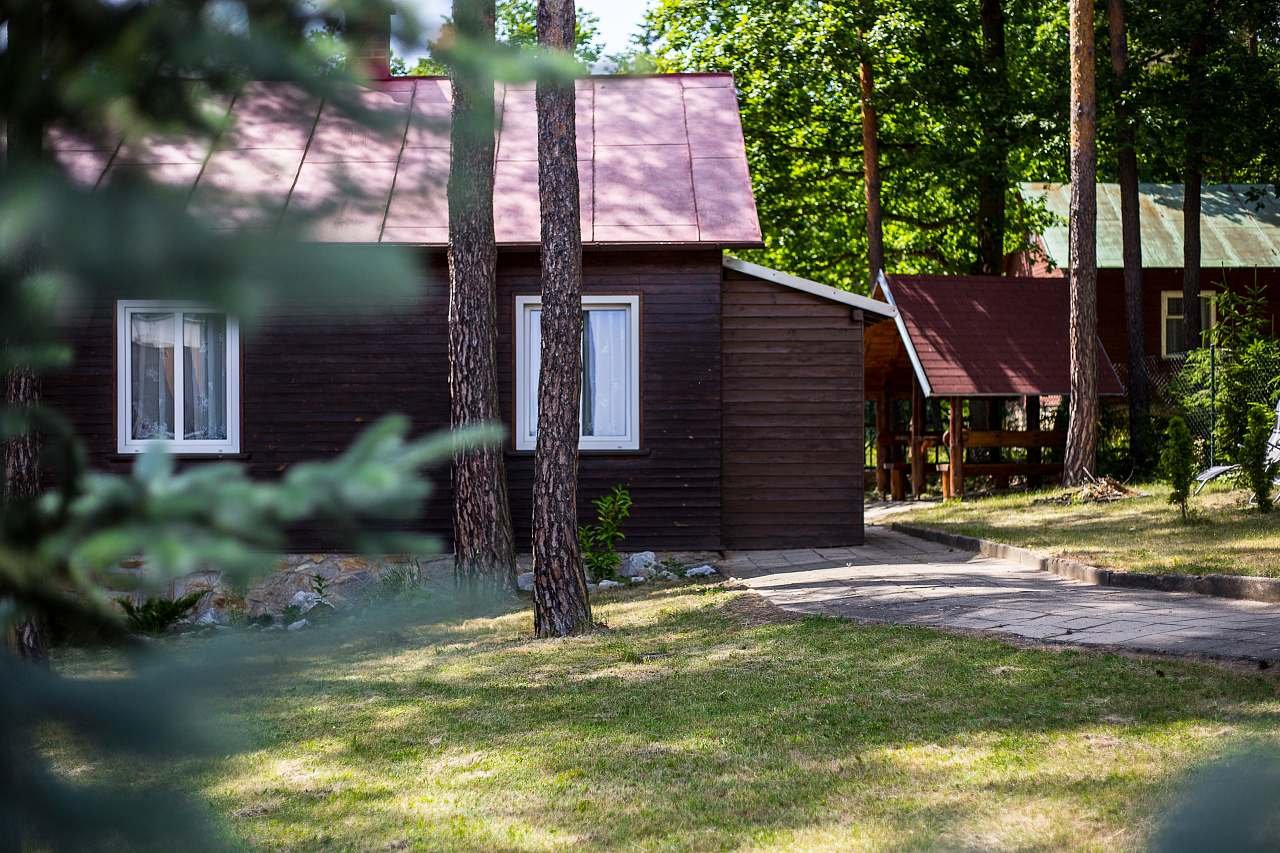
899 579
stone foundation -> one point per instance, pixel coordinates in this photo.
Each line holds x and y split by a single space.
347 579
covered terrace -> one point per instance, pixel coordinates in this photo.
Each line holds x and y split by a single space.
958 381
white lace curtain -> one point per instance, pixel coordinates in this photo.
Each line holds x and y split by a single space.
204 375
604 370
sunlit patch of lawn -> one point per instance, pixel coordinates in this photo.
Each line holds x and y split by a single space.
697 723
1142 534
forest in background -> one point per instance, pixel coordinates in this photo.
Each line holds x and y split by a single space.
971 99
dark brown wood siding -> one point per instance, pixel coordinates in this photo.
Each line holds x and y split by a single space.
793 411
311 380
675 476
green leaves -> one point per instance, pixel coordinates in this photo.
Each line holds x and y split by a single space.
214 516
796 67
1178 463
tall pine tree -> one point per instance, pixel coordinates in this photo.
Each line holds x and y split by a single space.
560 603
484 552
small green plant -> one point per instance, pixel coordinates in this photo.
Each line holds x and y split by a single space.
157 614
1178 463
671 564
1259 471
398 581
291 614
599 541
320 586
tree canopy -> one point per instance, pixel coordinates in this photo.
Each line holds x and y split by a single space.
516 26
953 114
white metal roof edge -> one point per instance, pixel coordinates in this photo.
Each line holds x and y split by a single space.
825 291
925 387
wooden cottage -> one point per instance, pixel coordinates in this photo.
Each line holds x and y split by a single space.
1240 247
962 348
727 397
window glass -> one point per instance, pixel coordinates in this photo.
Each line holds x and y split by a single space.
204 338
608 418
179 378
1175 333
151 401
604 372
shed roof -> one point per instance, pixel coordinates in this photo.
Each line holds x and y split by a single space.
983 336
878 309
1239 224
661 160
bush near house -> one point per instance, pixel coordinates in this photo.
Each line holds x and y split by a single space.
599 541
1178 463
1258 470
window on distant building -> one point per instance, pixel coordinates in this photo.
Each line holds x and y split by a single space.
178 379
610 372
1173 338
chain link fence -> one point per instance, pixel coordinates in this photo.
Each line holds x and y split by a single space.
1212 390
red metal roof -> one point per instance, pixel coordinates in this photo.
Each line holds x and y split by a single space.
977 336
661 160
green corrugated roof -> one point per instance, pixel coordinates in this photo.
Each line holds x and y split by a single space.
1239 226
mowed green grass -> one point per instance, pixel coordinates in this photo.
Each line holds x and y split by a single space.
705 720
1142 534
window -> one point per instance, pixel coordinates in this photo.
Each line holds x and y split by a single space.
610 417
1172 333
178 381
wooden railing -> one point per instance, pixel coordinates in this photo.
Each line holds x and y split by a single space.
956 469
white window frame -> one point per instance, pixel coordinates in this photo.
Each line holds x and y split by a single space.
526 390
125 443
1165 296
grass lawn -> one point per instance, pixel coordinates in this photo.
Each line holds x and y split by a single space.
1144 534
706 720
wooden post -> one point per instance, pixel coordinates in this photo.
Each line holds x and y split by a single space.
1032 406
883 442
917 430
898 484
956 449
996 420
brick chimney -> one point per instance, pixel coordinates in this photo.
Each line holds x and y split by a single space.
371 48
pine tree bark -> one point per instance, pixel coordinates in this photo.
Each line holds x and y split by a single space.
993 181
1193 175
1131 235
561 606
484 551
25 149
871 168
1082 434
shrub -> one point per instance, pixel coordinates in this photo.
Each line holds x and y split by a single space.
1259 472
599 542
399 581
156 615
1178 463
1245 374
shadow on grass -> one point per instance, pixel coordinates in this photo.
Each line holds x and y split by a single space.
1138 534
693 723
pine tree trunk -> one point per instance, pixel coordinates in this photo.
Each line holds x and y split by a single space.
994 179
29 638
1082 427
25 148
1192 177
1131 234
871 169
560 603
484 553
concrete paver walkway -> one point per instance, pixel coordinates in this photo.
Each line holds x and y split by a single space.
896 578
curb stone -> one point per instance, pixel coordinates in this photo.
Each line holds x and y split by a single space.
1220 586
